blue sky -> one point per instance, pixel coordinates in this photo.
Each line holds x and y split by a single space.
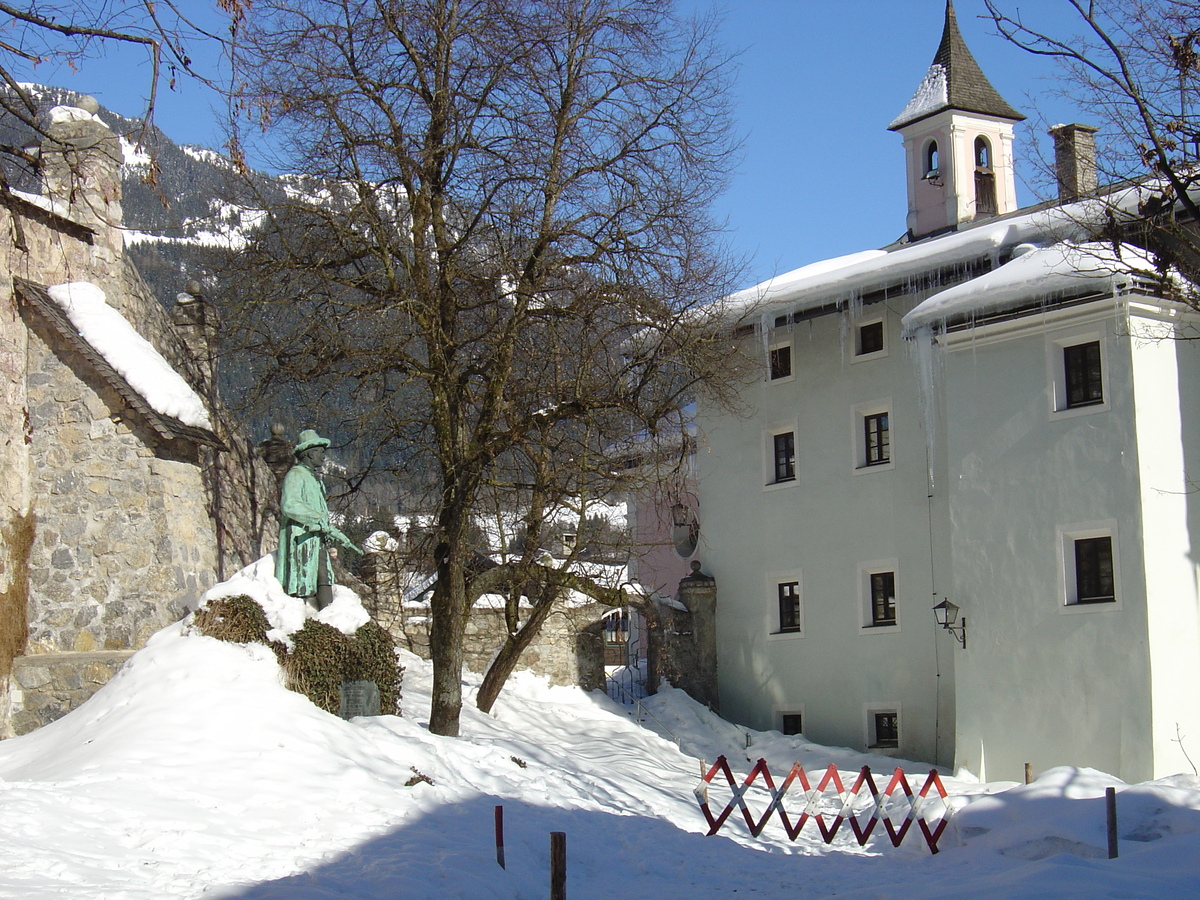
819 81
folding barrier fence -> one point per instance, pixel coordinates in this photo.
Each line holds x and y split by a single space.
862 810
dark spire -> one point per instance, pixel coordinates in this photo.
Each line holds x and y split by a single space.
954 81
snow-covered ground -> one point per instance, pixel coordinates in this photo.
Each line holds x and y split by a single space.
195 773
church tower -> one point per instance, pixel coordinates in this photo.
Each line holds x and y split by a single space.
958 137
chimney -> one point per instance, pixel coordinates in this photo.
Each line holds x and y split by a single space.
1074 160
197 323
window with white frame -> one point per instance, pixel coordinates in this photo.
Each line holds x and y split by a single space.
1082 373
1078 372
872 424
878 587
883 726
779 362
1090 573
788 596
869 340
780 456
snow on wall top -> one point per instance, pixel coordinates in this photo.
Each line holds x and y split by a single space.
129 353
1044 274
932 95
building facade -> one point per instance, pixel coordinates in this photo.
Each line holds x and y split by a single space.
994 412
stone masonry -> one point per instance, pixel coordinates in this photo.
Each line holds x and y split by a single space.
108 529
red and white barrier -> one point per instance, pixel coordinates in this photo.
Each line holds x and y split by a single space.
881 808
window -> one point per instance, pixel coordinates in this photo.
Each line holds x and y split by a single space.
931 160
780 362
885 728
789 606
1077 363
1094 581
877 595
791 723
985 179
876 437
870 339
883 598
1082 374
784 447
872 423
1090 570
983 153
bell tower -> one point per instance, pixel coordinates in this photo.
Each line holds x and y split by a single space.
958 142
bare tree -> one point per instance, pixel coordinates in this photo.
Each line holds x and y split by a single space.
69 32
1133 67
501 263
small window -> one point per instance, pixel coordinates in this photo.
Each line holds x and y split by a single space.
784 445
1083 374
1091 571
885 728
789 606
877 439
781 362
883 598
983 153
1094 581
870 339
931 160
792 723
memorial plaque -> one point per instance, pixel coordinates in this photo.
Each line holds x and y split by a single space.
359 698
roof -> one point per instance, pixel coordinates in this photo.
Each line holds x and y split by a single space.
988 267
168 426
954 81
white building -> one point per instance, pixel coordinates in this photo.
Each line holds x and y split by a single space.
990 412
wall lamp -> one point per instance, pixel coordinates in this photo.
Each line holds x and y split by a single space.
946 615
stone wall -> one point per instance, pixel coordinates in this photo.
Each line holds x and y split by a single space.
107 531
684 639
49 685
569 650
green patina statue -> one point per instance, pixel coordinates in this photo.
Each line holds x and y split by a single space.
302 564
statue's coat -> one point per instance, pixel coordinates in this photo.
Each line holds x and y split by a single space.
305 519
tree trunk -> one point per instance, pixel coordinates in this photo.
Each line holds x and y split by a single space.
446 643
510 654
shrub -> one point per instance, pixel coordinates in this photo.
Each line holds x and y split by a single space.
321 657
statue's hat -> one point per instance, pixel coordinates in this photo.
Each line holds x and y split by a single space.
309 438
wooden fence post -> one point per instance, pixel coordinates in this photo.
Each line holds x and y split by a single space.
1110 809
500 835
558 865
1028 773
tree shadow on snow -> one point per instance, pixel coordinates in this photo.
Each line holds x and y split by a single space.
451 853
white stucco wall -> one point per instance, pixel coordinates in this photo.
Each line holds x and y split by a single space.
821 530
1043 682
1166 374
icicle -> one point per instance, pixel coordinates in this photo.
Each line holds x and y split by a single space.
929 364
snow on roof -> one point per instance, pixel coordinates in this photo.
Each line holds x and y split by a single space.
1043 274
846 277
111 335
931 96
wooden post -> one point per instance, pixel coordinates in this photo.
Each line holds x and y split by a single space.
1028 773
1110 808
500 836
558 865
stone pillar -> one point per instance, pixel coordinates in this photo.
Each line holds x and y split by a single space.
81 170
196 321
698 592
